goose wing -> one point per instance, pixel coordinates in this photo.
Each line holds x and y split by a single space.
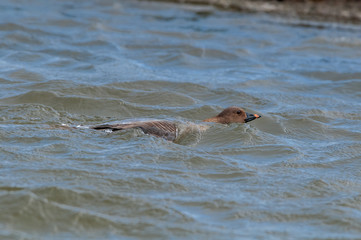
164 129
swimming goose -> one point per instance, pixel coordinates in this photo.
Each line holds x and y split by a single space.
168 129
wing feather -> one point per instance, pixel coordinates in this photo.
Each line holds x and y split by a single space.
164 129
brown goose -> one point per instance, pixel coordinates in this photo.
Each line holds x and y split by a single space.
168 130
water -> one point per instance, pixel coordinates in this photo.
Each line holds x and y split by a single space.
293 174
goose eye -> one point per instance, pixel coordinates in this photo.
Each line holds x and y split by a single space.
239 112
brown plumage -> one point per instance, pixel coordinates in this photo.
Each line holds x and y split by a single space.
233 115
168 130
164 129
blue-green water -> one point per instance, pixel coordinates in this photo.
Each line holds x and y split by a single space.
293 174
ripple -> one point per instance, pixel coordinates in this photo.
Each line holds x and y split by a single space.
26 75
293 172
22 38
29 58
181 54
28 113
18 27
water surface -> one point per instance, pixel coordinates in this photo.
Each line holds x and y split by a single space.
293 174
